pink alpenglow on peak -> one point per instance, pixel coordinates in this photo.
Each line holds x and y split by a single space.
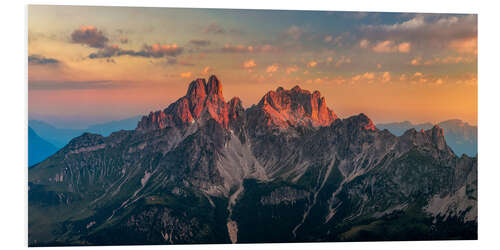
280 109
202 100
294 107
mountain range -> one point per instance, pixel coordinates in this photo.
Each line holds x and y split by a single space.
459 135
286 169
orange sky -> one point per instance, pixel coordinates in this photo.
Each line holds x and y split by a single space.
107 63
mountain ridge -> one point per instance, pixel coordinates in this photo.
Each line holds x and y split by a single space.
204 170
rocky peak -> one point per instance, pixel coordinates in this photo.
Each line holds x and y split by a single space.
296 107
433 137
203 100
362 122
214 87
436 135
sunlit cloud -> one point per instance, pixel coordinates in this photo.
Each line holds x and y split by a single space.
240 48
272 68
342 60
90 36
386 76
249 65
312 64
390 47
364 43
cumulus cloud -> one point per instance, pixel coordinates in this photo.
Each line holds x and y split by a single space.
312 64
250 64
272 68
364 43
388 46
42 60
425 28
342 60
199 42
441 60
365 76
90 36
386 76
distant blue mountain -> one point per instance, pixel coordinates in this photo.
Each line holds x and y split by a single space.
459 135
59 137
38 148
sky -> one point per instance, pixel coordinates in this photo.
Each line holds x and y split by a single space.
95 64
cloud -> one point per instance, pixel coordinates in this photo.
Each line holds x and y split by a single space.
229 48
416 61
200 43
364 43
294 32
272 68
154 51
249 64
237 48
386 76
90 36
161 50
343 60
41 60
365 76
186 74
425 29
312 64
391 47
441 60
404 47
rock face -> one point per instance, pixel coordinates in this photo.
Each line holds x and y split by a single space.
204 170
296 107
202 100
459 135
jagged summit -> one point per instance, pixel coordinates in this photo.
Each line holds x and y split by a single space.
281 108
202 100
294 107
